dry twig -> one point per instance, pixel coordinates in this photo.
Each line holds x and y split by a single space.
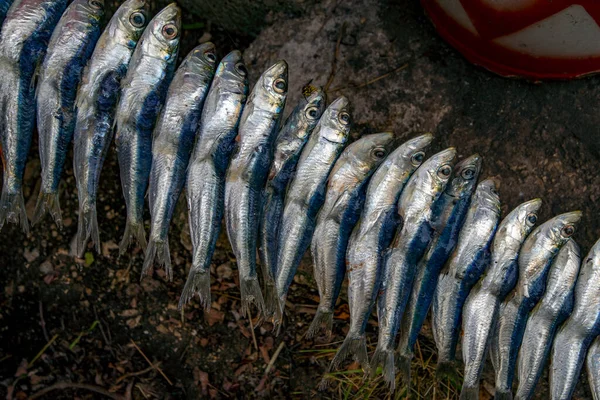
73 385
155 366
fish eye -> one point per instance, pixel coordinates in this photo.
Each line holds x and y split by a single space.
137 19
280 85
568 231
312 113
531 218
241 69
96 4
444 171
379 153
417 158
468 173
170 31
344 117
210 56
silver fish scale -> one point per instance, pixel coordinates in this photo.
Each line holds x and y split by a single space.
593 368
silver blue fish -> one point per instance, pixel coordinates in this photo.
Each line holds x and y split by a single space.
415 212
449 214
143 92
23 41
97 101
70 48
371 237
346 189
248 173
4 7
545 319
465 266
480 311
593 368
288 146
207 169
306 194
172 146
576 335
536 256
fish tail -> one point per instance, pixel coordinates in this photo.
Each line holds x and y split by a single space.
355 347
12 209
198 282
87 227
503 395
250 291
133 230
47 202
322 318
469 393
446 369
160 250
271 299
278 316
385 358
404 367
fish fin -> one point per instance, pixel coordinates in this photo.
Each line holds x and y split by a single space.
446 369
469 393
322 317
160 250
503 395
250 291
271 299
12 209
198 282
278 316
325 384
47 202
355 347
87 227
404 367
133 230
385 358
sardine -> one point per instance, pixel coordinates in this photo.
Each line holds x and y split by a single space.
371 237
247 176
552 310
465 266
576 335
535 258
4 7
306 194
205 188
593 368
173 141
71 46
96 102
288 146
143 92
23 41
449 214
344 199
415 211
480 311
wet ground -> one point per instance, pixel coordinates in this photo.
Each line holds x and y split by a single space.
67 321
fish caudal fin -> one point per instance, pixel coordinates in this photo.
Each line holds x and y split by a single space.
133 230
385 359
251 294
160 250
322 318
404 367
503 395
47 202
355 347
469 393
446 369
87 227
271 300
198 282
12 209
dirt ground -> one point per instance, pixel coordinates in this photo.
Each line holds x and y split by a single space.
93 329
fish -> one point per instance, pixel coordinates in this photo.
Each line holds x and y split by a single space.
415 213
288 146
545 319
344 198
536 256
306 194
449 214
172 145
481 308
96 103
70 48
370 237
247 176
207 169
576 335
593 368
23 42
461 272
143 92
4 7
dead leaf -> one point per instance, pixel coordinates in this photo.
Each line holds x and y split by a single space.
214 316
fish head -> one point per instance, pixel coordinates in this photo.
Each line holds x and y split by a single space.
464 177
271 88
334 125
202 59
414 149
487 196
91 8
517 225
312 109
433 175
561 228
233 73
164 33
369 151
131 19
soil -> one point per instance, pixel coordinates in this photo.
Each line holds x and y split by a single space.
92 321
